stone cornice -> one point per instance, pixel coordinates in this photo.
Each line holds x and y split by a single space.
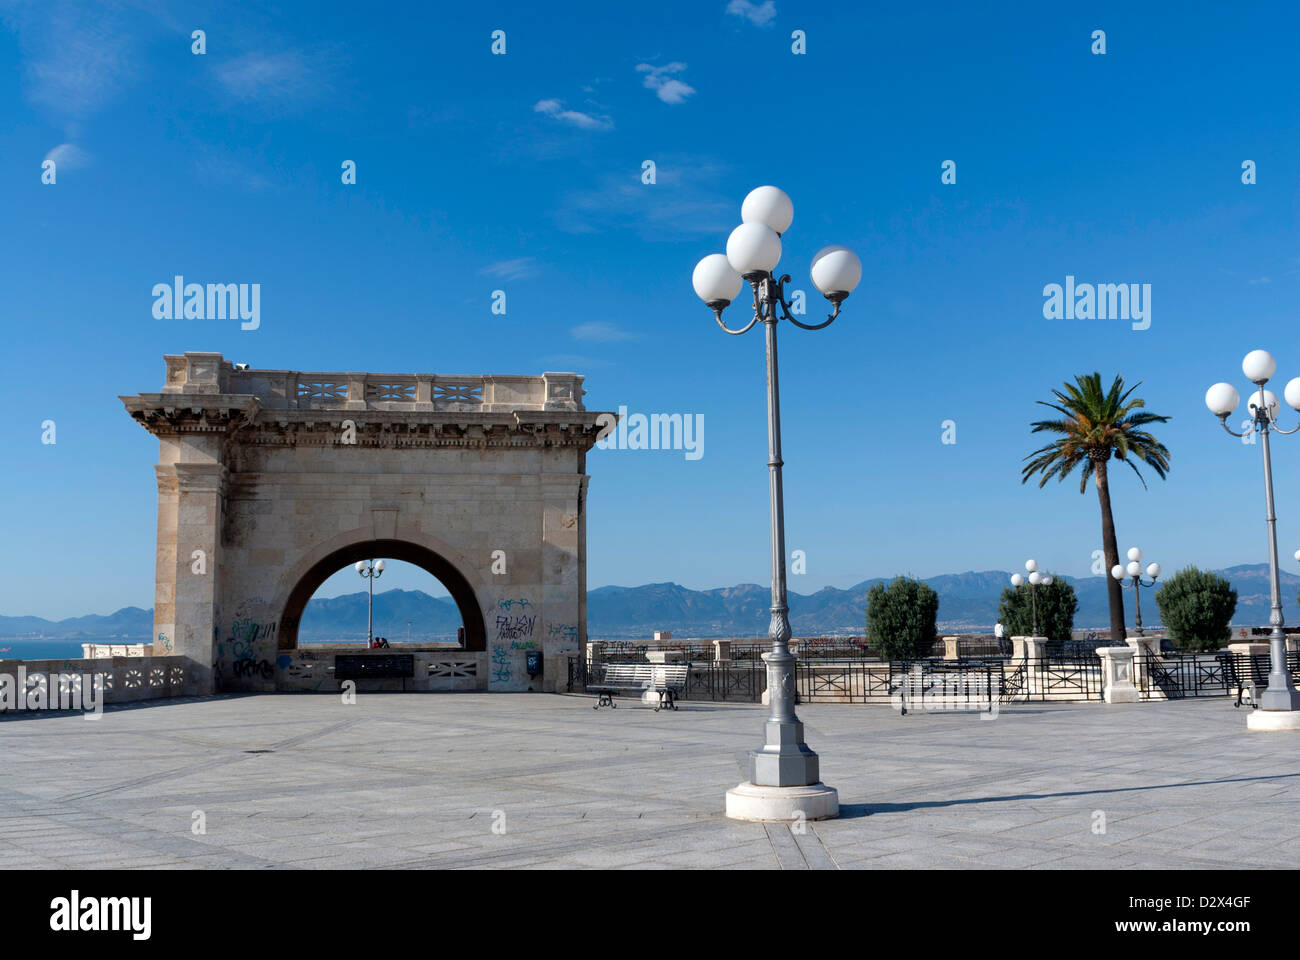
195 413
240 418
281 428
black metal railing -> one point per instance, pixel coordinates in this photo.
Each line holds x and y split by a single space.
1175 676
732 680
1172 676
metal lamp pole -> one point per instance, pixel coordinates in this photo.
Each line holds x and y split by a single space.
1035 580
1134 571
1222 398
372 570
783 774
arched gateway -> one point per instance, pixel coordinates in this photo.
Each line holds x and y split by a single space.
271 480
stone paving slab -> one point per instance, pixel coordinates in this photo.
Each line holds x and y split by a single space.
525 781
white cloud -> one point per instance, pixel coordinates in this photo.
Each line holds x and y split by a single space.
584 121
687 199
759 14
273 80
68 156
77 60
518 269
601 332
668 88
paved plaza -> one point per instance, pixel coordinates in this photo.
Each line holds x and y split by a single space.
543 781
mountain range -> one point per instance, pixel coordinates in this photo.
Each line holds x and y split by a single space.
967 602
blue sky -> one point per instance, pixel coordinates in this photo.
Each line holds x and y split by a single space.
522 172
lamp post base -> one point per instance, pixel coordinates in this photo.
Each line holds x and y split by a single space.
1268 720
752 801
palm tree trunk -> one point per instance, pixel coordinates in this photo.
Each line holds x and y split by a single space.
1114 589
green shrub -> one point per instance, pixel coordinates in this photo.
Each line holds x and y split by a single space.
1056 606
901 618
1196 608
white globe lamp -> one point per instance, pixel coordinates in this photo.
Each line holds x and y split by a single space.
770 206
715 282
753 248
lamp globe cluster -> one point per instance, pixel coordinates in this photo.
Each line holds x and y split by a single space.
754 250
1258 367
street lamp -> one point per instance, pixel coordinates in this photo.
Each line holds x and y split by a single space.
1134 571
1222 399
373 572
784 781
1035 580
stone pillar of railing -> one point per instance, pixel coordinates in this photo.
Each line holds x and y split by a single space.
665 656
1117 674
1145 649
952 648
721 649
1035 648
1035 653
1017 648
1248 648
595 651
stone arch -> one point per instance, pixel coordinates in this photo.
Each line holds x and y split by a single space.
314 569
269 480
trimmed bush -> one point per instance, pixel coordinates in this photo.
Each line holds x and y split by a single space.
1056 606
1196 608
901 618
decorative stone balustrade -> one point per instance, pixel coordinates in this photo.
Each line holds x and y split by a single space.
210 374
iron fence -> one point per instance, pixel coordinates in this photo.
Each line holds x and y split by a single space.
1176 676
741 681
1172 676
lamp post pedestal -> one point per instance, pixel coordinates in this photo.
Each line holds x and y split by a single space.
750 801
1265 720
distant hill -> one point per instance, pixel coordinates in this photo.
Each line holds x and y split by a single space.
967 602
344 617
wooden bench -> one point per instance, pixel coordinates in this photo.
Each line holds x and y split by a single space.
665 679
1246 672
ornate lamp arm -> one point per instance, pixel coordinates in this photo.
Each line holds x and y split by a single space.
758 314
817 326
735 333
785 307
1223 420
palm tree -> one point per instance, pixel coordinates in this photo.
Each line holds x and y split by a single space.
1097 425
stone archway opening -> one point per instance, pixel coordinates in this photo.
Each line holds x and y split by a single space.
462 593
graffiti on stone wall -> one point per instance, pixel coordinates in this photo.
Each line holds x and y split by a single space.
516 628
563 634
247 634
502 660
250 643
514 632
253 668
